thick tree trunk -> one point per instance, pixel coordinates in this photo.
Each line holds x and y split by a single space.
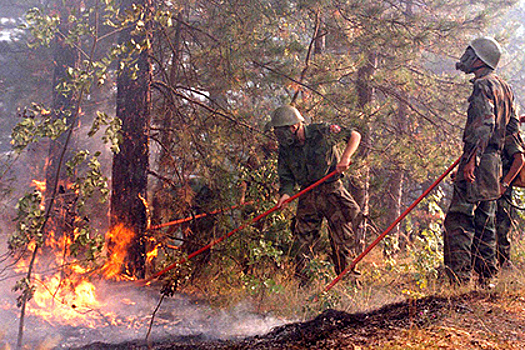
130 165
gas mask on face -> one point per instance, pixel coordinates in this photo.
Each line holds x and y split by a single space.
285 136
467 61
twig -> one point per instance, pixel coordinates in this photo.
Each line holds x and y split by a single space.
308 55
153 317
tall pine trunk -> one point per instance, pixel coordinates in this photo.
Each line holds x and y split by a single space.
130 165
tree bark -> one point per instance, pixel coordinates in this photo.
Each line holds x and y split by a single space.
361 190
130 165
397 181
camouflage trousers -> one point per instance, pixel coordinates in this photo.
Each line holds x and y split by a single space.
505 214
333 202
470 238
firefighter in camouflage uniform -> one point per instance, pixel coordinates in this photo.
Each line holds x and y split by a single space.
512 159
470 237
306 154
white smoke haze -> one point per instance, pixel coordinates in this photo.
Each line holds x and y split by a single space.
124 314
108 312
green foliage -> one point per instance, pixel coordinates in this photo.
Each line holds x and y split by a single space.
320 270
91 181
220 68
86 245
176 276
262 260
260 250
26 289
322 301
38 125
256 285
43 27
426 257
30 220
426 249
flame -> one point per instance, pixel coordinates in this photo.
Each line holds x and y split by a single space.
128 302
39 185
121 237
63 301
68 296
152 254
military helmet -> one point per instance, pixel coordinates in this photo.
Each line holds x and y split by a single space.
488 50
284 116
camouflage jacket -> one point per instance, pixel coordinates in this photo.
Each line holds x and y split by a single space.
491 109
513 144
305 164
491 106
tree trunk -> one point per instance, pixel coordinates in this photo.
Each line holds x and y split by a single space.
394 200
130 165
360 191
397 178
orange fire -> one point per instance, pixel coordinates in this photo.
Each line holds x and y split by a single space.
121 237
60 301
39 185
69 297
152 254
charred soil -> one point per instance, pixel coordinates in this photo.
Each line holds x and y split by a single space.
474 320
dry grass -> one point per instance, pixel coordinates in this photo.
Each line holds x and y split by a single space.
468 319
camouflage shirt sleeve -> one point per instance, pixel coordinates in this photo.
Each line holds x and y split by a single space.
513 126
286 178
481 120
513 141
514 144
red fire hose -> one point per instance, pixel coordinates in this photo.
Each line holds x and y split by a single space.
381 236
198 216
220 239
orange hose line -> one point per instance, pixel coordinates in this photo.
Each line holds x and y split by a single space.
381 236
229 234
198 216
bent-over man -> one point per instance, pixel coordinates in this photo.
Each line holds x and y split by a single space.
306 154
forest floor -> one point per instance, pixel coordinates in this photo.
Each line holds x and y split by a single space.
463 319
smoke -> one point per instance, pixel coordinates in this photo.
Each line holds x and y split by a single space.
124 314
119 311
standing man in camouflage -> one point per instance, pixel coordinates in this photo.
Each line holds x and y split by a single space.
513 160
306 154
470 237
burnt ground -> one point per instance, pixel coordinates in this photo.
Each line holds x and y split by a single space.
475 320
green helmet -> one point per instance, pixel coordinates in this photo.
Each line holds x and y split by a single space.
284 116
488 50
